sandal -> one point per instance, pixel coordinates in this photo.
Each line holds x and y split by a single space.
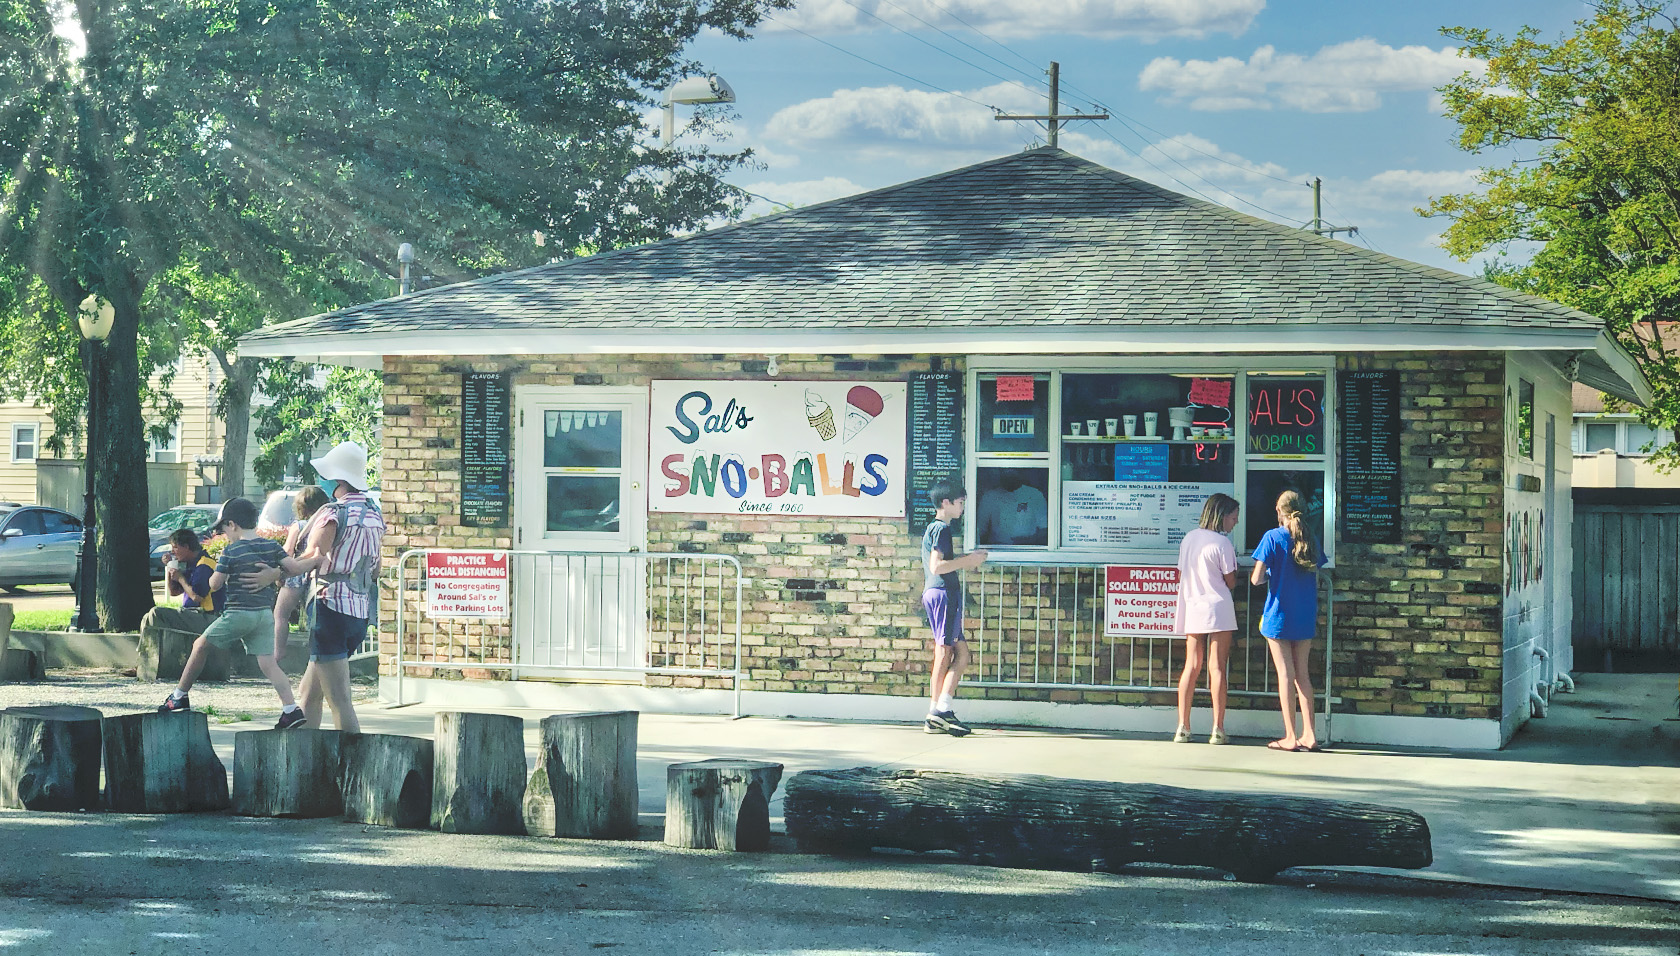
1278 745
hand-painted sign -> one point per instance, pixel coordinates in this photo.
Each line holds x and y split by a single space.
1014 388
467 584
807 448
1140 600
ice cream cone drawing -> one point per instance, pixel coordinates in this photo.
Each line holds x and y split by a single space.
819 414
862 405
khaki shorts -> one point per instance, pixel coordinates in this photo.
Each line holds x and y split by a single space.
252 627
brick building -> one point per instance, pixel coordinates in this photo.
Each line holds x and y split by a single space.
760 406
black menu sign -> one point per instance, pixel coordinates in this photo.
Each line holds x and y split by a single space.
1370 407
936 440
484 449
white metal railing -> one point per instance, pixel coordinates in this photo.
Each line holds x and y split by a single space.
583 613
1042 626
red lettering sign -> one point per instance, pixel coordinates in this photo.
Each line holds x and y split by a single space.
1015 388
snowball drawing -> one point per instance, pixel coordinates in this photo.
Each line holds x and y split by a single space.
819 415
862 405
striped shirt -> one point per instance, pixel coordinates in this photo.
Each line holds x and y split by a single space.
360 539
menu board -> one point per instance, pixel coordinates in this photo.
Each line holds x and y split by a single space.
1370 408
484 449
935 437
1146 515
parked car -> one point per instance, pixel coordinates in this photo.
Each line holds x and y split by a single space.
197 517
37 546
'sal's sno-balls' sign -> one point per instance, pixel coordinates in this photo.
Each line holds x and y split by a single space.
807 448
1140 600
467 584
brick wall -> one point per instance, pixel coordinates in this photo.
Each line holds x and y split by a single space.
1418 624
831 605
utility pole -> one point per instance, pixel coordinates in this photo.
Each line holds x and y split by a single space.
1318 224
1055 118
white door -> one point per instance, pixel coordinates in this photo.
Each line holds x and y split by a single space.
581 460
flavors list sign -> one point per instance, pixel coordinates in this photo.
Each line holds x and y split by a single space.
471 584
1140 600
1370 408
934 427
484 449
787 448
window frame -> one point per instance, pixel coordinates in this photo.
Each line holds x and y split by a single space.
1621 423
173 448
1238 367
34 443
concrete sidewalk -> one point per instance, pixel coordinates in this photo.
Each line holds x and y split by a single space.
1582 801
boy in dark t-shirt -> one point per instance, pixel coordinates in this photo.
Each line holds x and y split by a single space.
942 598
247 616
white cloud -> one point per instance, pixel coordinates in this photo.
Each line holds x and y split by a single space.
1104 19
1346 77
892 120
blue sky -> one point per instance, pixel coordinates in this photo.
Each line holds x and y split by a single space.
1242 101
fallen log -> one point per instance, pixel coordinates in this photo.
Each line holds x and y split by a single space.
585 781
162 763
49 758
387 780
720 804
478 773
1057 824
287 773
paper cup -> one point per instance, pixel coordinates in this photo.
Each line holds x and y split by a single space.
1073 429
1111 427
1150 421
1131 426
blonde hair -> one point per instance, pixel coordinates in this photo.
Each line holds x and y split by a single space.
308 500
1216 510
1303 547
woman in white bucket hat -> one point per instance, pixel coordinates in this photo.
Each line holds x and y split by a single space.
344 538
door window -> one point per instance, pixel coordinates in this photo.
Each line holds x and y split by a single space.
27 521
59 523
583 468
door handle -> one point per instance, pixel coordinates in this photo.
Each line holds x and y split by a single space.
635 550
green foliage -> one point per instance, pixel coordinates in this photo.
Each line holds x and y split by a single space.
325 406
1595 120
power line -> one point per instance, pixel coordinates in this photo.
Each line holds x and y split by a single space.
956 39
983 33
1229 192
927 43
883 66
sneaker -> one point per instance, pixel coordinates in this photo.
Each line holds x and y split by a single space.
933 725
1218 737
172 705
949 723
1181 735
290 718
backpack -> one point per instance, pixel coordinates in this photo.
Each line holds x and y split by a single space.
363 578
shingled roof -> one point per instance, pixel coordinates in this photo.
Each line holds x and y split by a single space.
1033 243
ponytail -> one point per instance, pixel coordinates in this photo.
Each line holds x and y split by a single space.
1303 547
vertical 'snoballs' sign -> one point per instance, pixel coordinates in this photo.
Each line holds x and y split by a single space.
779 448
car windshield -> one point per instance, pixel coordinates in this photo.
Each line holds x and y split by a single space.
193 518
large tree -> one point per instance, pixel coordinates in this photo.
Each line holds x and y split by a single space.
273 156
1592 194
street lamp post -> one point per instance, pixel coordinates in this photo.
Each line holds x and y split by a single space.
94 318
695 89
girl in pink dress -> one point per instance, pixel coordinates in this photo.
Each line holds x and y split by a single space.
1207 615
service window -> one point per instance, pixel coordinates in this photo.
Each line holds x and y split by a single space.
1009 505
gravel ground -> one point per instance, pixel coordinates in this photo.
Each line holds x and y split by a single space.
239 699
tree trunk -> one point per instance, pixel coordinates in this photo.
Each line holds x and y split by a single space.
162 763
1052 823
287 773
585 781
387 780
124 592
49 758
720 804
236 421
478 773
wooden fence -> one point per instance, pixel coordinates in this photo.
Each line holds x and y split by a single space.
1626 583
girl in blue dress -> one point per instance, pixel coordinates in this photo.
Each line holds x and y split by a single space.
1287 562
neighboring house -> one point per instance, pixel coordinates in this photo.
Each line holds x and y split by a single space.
196 435
736 430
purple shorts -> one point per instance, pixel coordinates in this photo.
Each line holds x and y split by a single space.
944 616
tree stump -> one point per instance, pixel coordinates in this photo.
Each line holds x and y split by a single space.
49 758
164 653
387 780
478 773
720 804
287 773
1052 823
162 763
18 666
585 781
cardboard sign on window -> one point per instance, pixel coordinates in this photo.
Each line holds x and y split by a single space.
1015 388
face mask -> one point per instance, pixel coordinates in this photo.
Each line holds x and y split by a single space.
327 485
